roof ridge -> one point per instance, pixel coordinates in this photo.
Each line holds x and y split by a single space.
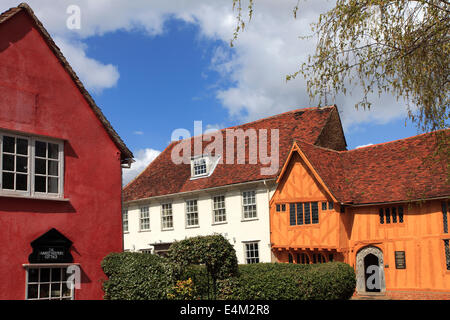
399 140
260 120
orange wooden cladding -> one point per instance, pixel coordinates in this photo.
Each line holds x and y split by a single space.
421 234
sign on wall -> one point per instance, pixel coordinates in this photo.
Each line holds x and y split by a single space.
400 260
51 247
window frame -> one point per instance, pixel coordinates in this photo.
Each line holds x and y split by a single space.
214 209
254 257
125 221
163 228
244 218
141 218
31 166
38 283
186 206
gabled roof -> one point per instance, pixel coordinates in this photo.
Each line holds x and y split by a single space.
163 177
23 7
401 170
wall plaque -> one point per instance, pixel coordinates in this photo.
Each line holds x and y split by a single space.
400 260
51 247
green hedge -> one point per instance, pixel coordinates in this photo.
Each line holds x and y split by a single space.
280 281
138 276
214 251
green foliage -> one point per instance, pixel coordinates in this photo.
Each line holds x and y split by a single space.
399 47
137 276
280 281
214 251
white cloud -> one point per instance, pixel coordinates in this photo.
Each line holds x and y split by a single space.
252 74
142 160
139 133
95 75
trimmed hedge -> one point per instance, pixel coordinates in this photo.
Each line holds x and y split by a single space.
281 281
138 276
214 251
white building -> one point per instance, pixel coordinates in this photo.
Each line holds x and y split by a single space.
209 193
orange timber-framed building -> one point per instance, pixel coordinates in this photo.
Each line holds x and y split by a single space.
385 205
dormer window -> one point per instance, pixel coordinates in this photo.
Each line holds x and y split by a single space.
200 167
203 166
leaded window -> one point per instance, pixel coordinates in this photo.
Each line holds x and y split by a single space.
447 253
315 212
307 212
199 167
292 214
444 216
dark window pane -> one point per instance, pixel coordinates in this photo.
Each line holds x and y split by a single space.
400 214
53 151
298 258
444 216
65 290
21 182
292 214
40 184
315 212
291 259
44 291
8 181
330 205
52 185
8 144
388 215
56 290
283 207
45 275
22 146
381 216
52 168
56 274
40 166
394 215
330 257
32 291
299 213
8 162
22 164
41 149
33 275
324 206
307 211
278 208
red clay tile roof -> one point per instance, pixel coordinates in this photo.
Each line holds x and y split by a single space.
163 177
400 170
23 7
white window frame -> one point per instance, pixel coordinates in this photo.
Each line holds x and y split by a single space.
252 258
203 171
243 205
141 223
164 215
125 221
218 209
188 212
39 283
30 192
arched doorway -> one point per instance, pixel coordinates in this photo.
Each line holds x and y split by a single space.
370 270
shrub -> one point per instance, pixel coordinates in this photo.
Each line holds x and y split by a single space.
137 276
276 281
214 251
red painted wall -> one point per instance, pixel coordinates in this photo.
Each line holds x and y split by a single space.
38 97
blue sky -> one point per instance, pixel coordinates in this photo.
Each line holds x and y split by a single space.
155 66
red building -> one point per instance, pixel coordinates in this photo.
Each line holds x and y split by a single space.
60 169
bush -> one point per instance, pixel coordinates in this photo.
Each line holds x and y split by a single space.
214 252
138 276
280 281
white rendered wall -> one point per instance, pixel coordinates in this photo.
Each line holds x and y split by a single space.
236 229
